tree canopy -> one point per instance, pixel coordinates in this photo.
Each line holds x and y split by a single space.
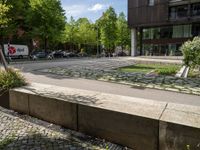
45 21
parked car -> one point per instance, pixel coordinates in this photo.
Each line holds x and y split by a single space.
71 54
82 54
41 55
58 54
121 54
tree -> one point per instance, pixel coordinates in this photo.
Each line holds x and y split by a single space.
123 32
46 20
86 32
70 34
108 28
4 20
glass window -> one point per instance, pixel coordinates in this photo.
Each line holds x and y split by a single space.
151 2
172 13
178 12
166 32
196 9
182 31
196 30
182 11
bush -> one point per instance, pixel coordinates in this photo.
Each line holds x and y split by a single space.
11 79
191 52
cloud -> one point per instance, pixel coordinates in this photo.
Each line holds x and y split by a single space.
75 10
97 7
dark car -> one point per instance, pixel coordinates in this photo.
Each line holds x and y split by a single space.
59 54
71 54
121 54
40 54
82 54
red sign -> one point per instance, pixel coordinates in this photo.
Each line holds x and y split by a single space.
11 50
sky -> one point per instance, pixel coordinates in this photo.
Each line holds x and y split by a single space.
92 9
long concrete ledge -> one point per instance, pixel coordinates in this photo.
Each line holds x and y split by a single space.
133 122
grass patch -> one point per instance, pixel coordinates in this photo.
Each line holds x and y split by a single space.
11 79
157 68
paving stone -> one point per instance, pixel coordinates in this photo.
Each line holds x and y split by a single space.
18 133
105 71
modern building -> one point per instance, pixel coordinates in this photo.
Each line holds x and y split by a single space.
160 27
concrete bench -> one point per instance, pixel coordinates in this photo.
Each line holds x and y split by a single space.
133 122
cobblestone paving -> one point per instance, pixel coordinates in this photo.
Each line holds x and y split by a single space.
21 132
189 85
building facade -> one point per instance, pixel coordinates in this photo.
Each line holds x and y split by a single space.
160 27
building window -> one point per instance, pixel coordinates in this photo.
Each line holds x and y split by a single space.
151 2
178 12
196 30
182 31
196 9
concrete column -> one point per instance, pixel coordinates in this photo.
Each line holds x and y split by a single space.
133 42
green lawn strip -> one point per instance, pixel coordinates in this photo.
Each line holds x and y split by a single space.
146 68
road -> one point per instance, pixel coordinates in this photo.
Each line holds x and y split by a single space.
32 75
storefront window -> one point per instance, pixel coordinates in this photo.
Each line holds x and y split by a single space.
182 31
161 50
166 32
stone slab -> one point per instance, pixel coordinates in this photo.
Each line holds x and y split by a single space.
179 127
54 111
126 129
4 99
19 102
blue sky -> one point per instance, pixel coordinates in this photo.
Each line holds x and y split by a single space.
92 9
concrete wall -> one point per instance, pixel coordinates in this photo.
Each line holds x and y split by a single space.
136 123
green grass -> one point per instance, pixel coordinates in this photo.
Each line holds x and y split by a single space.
157 68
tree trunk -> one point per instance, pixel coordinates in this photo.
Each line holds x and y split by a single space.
45 44
3 60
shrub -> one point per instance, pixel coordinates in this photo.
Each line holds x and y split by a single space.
191 52
11 79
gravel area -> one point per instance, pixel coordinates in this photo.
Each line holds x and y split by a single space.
22 132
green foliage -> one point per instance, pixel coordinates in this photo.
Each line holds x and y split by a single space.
11 79
108 25
3 14
123 32
191 52
46 19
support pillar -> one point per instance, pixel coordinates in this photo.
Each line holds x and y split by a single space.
133 42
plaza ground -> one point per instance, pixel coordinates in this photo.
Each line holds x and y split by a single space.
32 72
22 132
